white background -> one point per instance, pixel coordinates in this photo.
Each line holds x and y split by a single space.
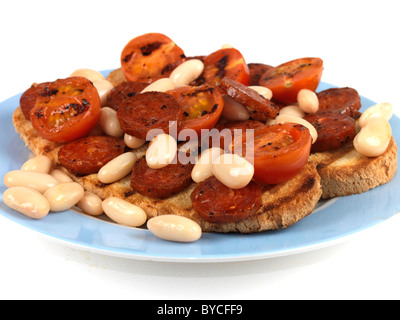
358 41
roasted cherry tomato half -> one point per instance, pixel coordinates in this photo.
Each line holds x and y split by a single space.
66 109
287 79
150 57
227 62
201 106
279 151
28 98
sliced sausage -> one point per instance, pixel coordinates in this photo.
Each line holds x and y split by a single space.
256 71
146 111
342 100
28 98
334 130
122 91
163 182
87 155
215 202
248 97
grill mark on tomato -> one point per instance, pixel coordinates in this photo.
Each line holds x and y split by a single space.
148 50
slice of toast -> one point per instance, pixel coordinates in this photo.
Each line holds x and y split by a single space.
282 205
345 171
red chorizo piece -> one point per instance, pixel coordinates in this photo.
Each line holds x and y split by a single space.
215 202
248 97
146 111
87 155
28 98
256 71
342 100
334 130
122 91
163 182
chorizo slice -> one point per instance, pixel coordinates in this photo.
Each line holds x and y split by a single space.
28 98
248 97
342 100
122 91
87 155
215 202
147 111
256 71
163 182
334 130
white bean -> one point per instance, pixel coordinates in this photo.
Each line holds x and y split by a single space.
290 118
292 110
264 91
174 228
383 110
161 151
234 110
91 204
39 164
203 168
186 72
308 101
133 142
374 138
27 201
60 175
91 75
232 170
64 196
117 168
30 179
124 212
103 88
109 122
161 85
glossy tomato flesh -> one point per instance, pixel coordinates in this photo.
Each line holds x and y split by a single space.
67 109
150 57
280 151
227 62
287 79
201 106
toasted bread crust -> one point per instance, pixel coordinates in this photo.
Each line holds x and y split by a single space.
345 171
283 204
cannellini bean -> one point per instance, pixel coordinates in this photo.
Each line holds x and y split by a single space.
203 168
64 196
232 170
27 201
60 175
103 88
39 164
290 118
233 110
308 101
109 122
161 151
174 228
89 74
162 85
264 91
30 179
133 142
374 138
91 204
292 110
117 168
186 72
226 46
124 212
383 110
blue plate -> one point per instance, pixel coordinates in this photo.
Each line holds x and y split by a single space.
331 222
